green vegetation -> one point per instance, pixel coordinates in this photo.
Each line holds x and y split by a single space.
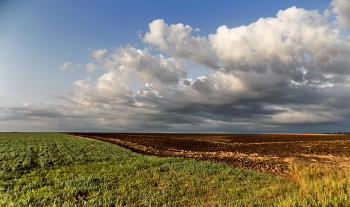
320 186
51 169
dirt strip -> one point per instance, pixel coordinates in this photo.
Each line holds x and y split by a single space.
267 153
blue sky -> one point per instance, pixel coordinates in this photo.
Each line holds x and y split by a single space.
38 37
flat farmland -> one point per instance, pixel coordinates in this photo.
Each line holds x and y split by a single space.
271 153
55 169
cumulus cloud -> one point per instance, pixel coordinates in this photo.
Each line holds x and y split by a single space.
342 8
297 41
177 41
277 73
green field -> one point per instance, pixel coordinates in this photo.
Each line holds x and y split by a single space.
51 169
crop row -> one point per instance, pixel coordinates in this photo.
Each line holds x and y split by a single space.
18 154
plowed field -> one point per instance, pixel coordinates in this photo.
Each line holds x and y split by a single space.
264 152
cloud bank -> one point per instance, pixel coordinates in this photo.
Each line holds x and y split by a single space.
289 73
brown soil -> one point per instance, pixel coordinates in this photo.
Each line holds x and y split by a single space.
264 152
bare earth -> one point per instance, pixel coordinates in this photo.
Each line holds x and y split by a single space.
271 153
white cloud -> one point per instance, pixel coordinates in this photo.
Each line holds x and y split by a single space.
342 9
69 66
176 40
90 67
155 69
98 54
295 39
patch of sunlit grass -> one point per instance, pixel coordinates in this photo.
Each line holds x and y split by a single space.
320 186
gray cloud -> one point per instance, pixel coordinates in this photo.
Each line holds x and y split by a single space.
342 8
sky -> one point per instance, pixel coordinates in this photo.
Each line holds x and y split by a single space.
242 66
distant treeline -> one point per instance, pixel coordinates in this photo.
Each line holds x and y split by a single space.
337 132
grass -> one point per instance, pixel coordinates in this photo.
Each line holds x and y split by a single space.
320 186
51 169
